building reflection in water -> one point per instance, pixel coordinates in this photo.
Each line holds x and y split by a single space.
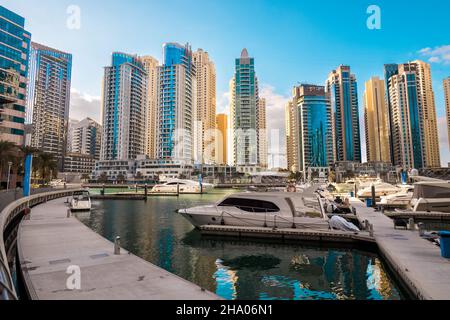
238 269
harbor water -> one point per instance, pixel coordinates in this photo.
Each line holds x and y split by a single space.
239 270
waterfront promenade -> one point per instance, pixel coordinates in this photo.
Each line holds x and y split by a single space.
49 243
417 261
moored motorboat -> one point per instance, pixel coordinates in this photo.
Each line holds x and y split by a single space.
183 187
273 210
81 201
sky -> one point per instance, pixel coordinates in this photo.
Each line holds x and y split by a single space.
292 41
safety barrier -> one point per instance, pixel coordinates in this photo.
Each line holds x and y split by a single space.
7 216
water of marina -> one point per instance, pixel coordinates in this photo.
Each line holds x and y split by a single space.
238 270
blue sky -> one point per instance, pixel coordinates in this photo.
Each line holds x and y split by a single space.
292 41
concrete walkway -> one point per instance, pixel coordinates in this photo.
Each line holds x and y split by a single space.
417 261
49 243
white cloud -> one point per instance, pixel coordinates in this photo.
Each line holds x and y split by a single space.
437 55
223 103
83 105
276 125
443 141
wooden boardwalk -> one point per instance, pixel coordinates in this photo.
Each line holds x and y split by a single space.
49 243
417 261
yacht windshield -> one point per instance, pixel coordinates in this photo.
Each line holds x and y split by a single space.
250 205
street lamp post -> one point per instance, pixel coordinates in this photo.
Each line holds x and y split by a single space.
9 175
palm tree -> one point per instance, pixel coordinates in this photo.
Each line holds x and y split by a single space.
103 177
47 164
85 177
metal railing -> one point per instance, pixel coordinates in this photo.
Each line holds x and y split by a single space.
7 216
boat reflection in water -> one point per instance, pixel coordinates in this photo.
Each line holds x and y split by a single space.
237 270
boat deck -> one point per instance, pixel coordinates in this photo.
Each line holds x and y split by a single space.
49 243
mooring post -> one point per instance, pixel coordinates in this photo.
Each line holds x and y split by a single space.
371 230
146 192
117 246
374 202
178 189
412 225
68 213
421 229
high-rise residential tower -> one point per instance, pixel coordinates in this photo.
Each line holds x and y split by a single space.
221 139
309 129
124 108
447 104
151 67
342 87
15 48
206 107
177 91
432 157
262 134
413 120
49 99
376 120
406 130
85 138
244 112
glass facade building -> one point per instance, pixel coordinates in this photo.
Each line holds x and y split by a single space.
124 108
177 89
50 74
244 112
343 90
309 118
14 54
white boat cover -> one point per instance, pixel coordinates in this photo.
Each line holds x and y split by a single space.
339 223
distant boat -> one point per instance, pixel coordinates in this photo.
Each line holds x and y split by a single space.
81 201
183 187
431 196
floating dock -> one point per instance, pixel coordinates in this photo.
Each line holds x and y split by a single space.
416 261
287 234
51 245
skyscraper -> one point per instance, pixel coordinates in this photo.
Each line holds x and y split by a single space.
221 139
124 108
85 138
206 107
432 157
49 99
309 129
447 104
151 67
376 122
15 48
177 90
413 120
406 130
342 87
244 113
262 133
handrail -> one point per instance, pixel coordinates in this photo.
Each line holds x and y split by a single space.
13 210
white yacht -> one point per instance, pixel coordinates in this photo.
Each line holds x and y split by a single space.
381 189
399 199
183 187
81 201
281 210
431 196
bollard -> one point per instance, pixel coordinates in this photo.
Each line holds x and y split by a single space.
421 229
374 200
371 230
412 225
117 246
68 213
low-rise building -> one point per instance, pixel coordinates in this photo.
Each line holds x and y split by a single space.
79 163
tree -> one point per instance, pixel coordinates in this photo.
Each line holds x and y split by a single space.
47 164
120 178
103 178
138 176
8 153
85 177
